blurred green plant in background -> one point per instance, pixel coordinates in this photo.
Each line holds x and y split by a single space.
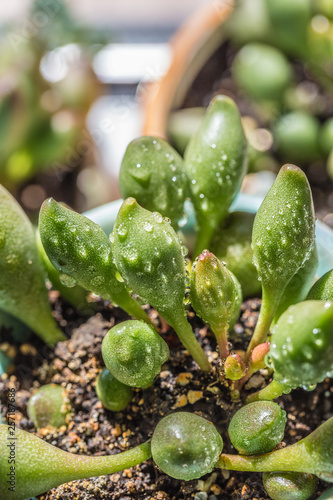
46 89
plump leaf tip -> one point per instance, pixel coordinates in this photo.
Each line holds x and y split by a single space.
213 296
152 172
283 227
22 279
215 162
262 72
186 446
301 351
312 455
79 249
323 288
150 258
264 428
134 352
113 394
289 485
49 406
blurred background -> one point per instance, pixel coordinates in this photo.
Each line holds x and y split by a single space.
75 74
69 73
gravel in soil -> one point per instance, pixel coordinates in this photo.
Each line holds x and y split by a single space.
92 430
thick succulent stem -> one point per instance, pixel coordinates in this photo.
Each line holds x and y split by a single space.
41 466
98 466
187 338
204 236
221 334
265 319
290 458
133 308
312 455
271 391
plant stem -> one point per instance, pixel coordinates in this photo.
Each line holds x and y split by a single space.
98 466
131 306
294 458
265 319
204 237
187 338
271 391
221 334
41 466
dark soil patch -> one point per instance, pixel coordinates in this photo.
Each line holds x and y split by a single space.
93 430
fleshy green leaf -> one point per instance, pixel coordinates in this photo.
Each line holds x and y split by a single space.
186 446
39 466
213 296
215 162
282 241
49 406
113 394
312 455
79 249
298 287
152 172
264 429
134 353
150 258
289 485
22 279
301 349
232 245
262 72
323 288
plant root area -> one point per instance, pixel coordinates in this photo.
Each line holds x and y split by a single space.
181 386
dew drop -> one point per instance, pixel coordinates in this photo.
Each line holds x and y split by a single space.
147 226
131 256
122 231
157 217
67 280
184 250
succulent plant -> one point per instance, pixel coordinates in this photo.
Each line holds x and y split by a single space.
40 466
215 162
289 485
179 455
264 428
146 257
113 394
82 253
134 353
49 406
152 172
284 225
23 293
150 258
